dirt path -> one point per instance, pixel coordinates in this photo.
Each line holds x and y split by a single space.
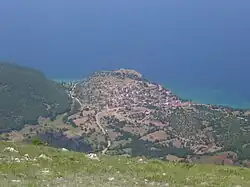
98 117
71 94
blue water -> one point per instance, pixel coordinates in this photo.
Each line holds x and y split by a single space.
199 49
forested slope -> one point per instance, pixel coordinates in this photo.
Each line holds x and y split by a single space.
26 94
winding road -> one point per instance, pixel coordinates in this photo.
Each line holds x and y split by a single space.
71 94
98 117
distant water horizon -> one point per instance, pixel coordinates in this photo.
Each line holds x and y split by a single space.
198 49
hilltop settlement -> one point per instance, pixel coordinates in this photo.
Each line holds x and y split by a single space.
122 113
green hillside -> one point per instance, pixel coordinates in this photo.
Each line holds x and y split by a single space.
26 94
29 165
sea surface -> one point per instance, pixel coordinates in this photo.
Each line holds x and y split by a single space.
199 49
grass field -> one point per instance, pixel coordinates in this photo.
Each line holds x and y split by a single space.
30 165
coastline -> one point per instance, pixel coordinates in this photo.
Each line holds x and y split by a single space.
214 97
65 80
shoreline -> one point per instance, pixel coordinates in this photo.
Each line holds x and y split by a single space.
202 96
65 80
211 97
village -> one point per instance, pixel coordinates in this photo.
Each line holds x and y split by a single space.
145 109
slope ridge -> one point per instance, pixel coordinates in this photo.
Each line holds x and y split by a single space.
26 94
148 119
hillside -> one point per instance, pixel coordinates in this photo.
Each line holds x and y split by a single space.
122 113
29 165
128 114
26 94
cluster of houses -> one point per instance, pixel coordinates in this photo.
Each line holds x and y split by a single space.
137 94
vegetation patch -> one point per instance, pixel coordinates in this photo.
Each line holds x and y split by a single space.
26 94
37 165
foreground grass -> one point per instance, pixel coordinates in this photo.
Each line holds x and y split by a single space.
76 169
